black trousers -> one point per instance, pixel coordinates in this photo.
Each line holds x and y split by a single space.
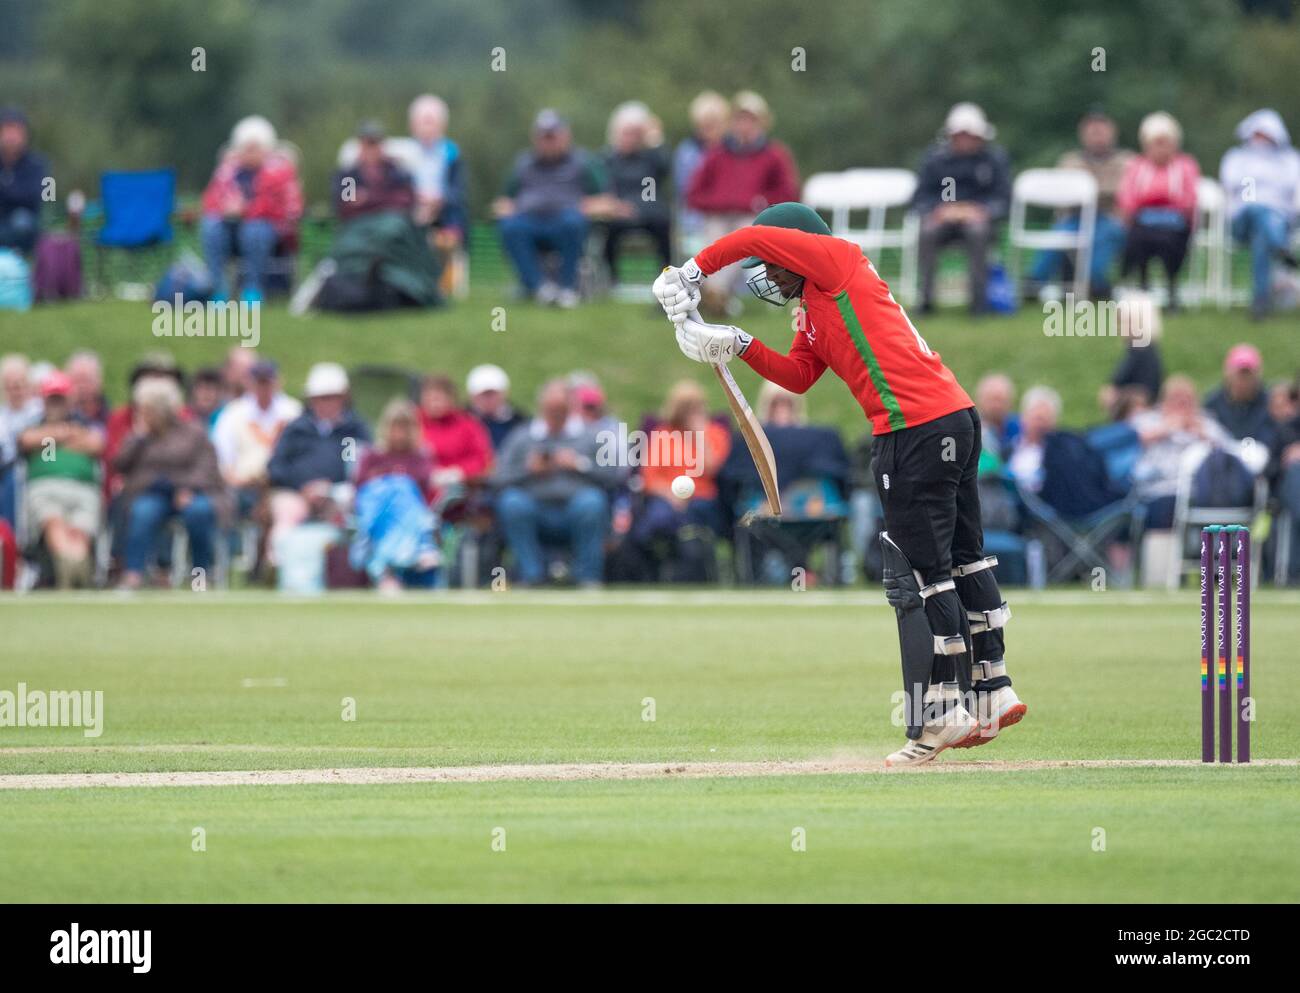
927 480
1145 243
660 232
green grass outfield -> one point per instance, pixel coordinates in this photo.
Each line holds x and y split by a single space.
631 347
244 682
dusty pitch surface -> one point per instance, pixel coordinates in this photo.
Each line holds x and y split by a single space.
559 772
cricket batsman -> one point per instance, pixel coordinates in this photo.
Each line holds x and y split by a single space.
925 454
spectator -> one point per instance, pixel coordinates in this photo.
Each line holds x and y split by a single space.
63 498
169 469
157 365
23 174
236 370
1099 156
252 206
551 189
488 388
1157 199
553 489
1283 471
995 400
685 441
206 396
458 444
1261 177
395 542
312 462
19 410
1137 378
1040 412
375 183
963 191
87 398
246 432
1240 404
737 178
438 172
709 114
631 160
1167 432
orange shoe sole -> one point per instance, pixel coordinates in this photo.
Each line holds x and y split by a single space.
978 737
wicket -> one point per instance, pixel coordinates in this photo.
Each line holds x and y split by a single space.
1217 547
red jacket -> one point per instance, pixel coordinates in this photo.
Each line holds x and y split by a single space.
277 194
1171 186
851 324
458 439
730 181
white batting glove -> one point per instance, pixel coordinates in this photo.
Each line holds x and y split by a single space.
716 344
678 289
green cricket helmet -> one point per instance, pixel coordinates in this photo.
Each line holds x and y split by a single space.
796 216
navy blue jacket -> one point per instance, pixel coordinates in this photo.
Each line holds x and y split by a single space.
20 184
304 454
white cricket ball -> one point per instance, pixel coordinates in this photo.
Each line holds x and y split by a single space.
683 487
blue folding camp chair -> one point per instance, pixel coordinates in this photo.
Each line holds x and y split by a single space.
137 212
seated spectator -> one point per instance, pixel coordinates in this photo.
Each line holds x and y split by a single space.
438 173
395 542
311 466
685 441
1099 156
995 400
551 189
1240 404
236 371
20 408
588 402
246 431
157 365
1040 412
1157 199
488 388
63 496
962 192
630 160
252 205
709 115
207 396
168 469
1261 177
552 488
458 444
375 183
1137 378
87 375
1167 432
23 174
738 177
1283 470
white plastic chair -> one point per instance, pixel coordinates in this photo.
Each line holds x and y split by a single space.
1209 281
1058 189
875 191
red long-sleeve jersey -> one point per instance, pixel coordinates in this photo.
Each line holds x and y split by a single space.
851 324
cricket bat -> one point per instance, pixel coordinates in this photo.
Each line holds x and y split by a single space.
760 449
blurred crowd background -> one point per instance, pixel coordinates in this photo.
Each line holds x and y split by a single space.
537 145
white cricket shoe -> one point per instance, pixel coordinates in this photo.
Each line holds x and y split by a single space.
997 709
943 732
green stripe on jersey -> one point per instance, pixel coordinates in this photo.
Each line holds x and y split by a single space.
878 380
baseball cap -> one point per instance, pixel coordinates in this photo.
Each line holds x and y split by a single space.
590 395
371 130
1242 357
57 383
968 118
12 115
326 379
485 378
264 369
549 120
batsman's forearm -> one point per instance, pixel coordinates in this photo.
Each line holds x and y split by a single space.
790 373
